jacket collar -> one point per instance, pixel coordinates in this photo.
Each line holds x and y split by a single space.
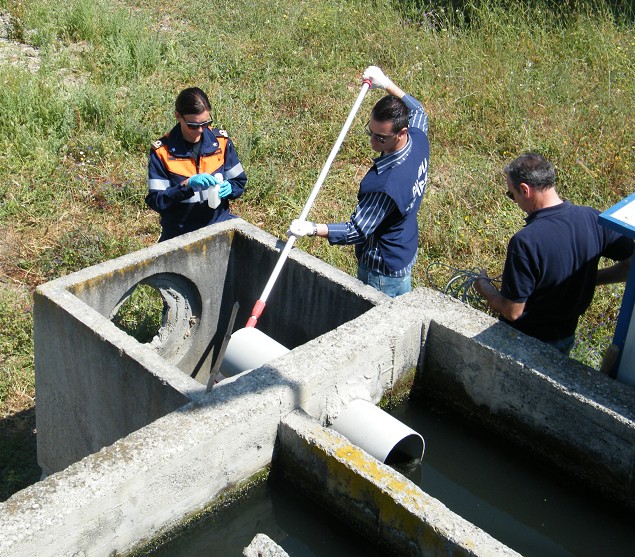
384 162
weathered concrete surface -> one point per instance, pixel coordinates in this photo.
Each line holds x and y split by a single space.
196 445
95 384
156 476
575 418
378 502
263 546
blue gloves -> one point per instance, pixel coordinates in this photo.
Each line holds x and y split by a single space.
225 189
201 181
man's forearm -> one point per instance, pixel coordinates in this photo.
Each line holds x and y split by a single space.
614 273
393 89
497 302
493 297
322 230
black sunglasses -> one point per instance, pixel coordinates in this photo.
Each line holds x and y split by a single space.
510 195
197 125
378 137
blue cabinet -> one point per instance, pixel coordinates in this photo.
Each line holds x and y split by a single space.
621 217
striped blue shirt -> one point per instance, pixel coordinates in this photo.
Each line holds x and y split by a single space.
373 208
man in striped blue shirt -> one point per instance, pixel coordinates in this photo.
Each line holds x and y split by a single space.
383 226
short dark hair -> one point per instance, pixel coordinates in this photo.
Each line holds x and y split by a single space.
192 101
531 169
391 108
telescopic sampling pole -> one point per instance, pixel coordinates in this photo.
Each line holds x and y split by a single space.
259 306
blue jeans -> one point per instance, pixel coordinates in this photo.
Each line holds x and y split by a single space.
392 286
563 345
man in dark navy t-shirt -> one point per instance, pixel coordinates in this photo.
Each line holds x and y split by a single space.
551 268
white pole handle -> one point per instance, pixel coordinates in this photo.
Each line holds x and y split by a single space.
334 151
316 189
307 207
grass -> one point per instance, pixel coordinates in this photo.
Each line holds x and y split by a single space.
497 78
141 314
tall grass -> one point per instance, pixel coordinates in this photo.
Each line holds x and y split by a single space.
497 78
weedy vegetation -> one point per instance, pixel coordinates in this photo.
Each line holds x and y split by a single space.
85 86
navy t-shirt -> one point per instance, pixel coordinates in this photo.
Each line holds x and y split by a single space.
552 265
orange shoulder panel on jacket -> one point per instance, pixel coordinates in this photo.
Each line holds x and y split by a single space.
187 167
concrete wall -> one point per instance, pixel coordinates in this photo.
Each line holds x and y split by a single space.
151 478
388 509
575 418
96 384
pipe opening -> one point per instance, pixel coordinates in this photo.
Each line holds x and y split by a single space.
141 313
379 434
407 452
171 303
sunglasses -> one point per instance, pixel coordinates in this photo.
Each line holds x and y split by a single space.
510 195
197 125
378 137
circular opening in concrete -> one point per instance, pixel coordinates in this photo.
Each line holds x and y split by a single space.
141 313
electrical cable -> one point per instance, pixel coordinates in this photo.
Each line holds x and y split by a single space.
460 285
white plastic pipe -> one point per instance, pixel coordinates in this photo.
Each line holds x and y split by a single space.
249 348
246 351
259 306
378 433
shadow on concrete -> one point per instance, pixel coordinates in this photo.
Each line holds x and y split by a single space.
18 453
301 306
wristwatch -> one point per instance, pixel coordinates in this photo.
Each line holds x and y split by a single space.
314 233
